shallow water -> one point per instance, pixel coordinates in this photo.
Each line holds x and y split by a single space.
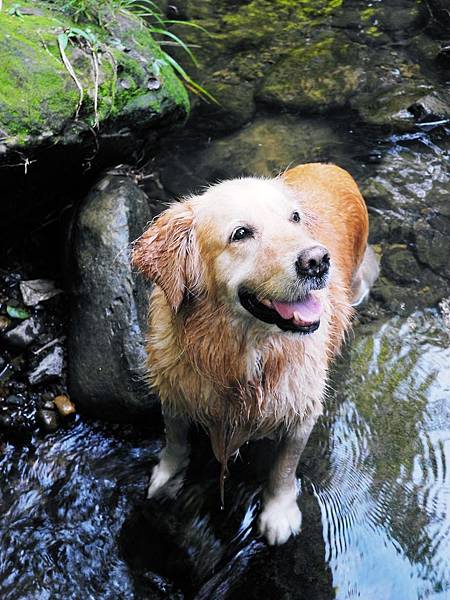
375 497
375 474
385 500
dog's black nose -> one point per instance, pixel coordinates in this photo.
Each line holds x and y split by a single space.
313 262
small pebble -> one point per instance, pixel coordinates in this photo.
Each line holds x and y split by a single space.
47 419
14 400
5 322
64 405
5 420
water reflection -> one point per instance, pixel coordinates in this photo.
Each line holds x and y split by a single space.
385 499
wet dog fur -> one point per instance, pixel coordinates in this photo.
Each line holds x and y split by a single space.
227 265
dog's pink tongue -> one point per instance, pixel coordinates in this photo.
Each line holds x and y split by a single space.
308 310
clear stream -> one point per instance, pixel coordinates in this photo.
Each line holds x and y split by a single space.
376 472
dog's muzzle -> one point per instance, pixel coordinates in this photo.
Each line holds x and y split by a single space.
301 315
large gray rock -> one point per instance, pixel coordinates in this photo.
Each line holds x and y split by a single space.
109 303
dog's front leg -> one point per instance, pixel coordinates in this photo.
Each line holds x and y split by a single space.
281 517
173 459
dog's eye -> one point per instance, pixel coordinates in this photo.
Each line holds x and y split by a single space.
241 233
295 217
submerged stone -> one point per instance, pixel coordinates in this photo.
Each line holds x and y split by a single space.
316 77
265 147
14 400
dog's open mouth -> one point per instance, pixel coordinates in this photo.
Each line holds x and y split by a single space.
301 316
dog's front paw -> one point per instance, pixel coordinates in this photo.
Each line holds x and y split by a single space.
167 478
280 518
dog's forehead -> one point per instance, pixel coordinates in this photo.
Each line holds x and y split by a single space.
243 199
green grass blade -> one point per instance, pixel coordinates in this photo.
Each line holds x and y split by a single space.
196 88
178 41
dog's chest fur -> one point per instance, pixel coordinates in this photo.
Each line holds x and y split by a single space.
219 374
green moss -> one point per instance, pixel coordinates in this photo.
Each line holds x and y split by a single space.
39 97
368 13
35 89
261 18
315 78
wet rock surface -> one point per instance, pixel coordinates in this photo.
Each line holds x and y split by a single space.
49 368
24 334
319 59
108 302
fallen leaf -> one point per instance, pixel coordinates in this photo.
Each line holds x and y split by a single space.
17 313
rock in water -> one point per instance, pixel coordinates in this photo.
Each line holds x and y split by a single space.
50 368
109 303
64 405
24 334
38 290
48 420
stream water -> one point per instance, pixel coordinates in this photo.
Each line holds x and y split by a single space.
375 476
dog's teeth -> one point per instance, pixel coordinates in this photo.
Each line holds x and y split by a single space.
266 302
297 319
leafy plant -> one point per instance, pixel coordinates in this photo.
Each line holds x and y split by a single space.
102 11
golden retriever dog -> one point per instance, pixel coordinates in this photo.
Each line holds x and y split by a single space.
255 282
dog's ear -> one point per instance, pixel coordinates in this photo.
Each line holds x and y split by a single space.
167 254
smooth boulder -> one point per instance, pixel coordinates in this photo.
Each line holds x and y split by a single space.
109 303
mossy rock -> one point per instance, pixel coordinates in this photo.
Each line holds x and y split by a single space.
399 264
394 85
317 56
315 78
240 43
39 98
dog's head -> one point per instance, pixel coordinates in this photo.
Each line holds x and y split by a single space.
247 244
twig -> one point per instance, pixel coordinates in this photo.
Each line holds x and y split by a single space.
49 345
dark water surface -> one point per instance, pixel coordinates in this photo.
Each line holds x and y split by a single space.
375 475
